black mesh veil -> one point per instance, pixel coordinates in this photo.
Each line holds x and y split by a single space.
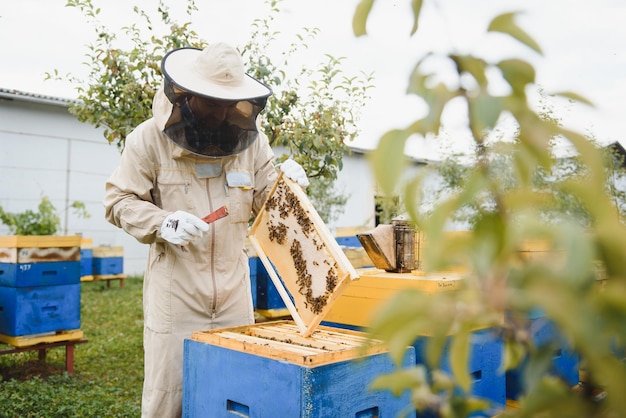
208 126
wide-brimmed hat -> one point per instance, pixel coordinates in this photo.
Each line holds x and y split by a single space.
216 71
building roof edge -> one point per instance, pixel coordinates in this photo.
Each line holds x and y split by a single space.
12 94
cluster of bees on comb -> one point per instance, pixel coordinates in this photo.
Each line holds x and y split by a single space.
282 204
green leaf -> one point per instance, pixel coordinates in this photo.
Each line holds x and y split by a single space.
535 135
436 344
518 73
514 353
575 97
416 6
418 79
459 359
505 23
401 320
436 98
484 112
476 67
553 398
398 381
388 160
412 193
359 20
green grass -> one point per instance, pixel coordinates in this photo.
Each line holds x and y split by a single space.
108 369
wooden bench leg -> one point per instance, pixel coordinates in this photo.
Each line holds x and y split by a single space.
69 358
41 351
121 283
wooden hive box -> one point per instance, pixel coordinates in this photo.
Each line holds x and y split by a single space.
293 368
271 370
27 261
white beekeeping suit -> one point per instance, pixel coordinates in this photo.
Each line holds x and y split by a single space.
201 150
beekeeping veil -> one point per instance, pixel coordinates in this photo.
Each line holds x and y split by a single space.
215 104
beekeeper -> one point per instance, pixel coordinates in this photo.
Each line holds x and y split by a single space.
201 150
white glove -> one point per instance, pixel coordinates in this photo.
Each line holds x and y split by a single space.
181 228
295 172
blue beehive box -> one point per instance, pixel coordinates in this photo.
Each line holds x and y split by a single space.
108 261
565 362
270 370
39 274
488 381
267 296
40 309
86 262
349 241
253 263
86 257
27 261
291 368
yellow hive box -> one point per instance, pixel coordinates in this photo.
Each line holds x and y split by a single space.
106 251
361 298
39 248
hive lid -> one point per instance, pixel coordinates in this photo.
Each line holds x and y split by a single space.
301 256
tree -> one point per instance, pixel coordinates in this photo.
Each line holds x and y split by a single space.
118 92
499 155
311 113
502 288
45 221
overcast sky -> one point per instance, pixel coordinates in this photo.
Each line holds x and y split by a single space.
584 44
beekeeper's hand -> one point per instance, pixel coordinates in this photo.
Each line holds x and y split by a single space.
295 172
181 228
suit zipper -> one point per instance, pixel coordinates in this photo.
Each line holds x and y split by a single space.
212 257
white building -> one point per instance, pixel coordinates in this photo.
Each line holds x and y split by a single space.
46 151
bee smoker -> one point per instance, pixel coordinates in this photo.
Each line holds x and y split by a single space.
404 237
392 247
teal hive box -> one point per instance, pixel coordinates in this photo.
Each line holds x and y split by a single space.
270 370
37 310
